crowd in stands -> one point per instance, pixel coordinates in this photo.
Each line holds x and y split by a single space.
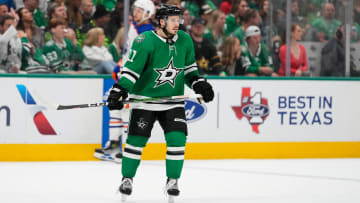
231 37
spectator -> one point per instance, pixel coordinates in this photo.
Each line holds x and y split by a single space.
226 6
298 58
34 34
231 56
101 19
116 22
74 17
275 50
32 59
61 53
194 6
235 18
117 46
295 18
39 16
267 31
205 53
87 10
333 57
256 58
3 9
96 54
215 32
108 4
8 3
325 26
187 21
57 10
205 12
10 53
251 17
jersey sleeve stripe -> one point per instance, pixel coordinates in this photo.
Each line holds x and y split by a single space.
128 76
189 70
190 66
135 75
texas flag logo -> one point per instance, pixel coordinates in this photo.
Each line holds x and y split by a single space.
254 108
42 124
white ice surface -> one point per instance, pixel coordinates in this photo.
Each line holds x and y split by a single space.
208 181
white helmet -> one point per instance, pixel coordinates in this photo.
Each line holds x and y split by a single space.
148 7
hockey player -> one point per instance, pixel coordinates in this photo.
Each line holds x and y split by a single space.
159 65
142 11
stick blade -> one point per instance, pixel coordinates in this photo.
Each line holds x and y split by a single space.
45 102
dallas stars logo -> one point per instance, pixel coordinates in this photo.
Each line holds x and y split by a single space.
142 124
167 74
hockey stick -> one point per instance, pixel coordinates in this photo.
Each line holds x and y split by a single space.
99 104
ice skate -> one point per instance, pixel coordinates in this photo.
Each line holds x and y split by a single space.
111 152
172 189
125 188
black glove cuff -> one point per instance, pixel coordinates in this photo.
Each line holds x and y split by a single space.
117 86
195 80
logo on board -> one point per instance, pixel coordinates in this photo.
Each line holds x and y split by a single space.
194 111
253 107
41 122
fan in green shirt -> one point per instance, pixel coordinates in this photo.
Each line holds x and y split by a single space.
326 26
251 17
62 54
255 56
215 30
235 18
194 8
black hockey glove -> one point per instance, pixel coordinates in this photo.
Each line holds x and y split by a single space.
116 97
201 86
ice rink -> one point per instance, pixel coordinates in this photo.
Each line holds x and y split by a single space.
210 181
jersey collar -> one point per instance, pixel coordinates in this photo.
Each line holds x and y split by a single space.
164 40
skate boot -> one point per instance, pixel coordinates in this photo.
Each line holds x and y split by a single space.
110 151
125 188
118 157
172 189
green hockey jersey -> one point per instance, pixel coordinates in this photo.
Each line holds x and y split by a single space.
62 57
158 69
252 63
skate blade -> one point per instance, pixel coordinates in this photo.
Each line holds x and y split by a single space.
107 157
124 197
171 199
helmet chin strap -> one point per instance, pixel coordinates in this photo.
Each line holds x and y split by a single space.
143 19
